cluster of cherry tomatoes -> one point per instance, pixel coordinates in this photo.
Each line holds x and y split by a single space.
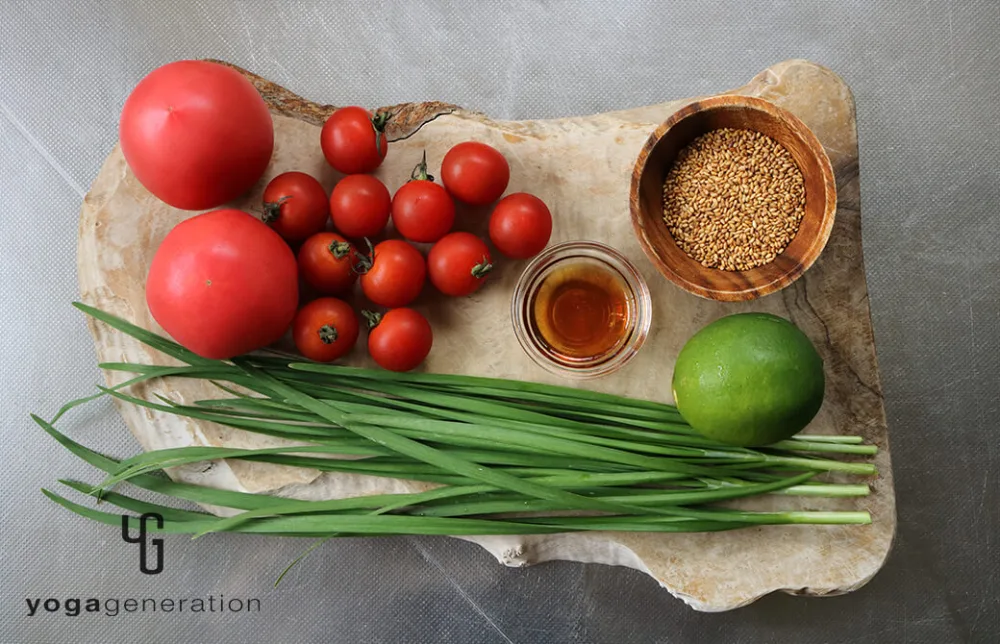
198 135
391 273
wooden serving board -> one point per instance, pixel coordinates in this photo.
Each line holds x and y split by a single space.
581 167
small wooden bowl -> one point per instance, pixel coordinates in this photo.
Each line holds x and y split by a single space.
657 157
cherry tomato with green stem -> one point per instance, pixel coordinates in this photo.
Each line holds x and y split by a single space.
359 206
393 273
459 263
295 206
328 263
475 173
325 329
520 225
354 141
398 340
422 211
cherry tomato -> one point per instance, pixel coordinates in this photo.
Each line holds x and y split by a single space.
353 140
398 340
520 225
475 173
359 206
459 264
325 329
207 290
196 134
295 206
395 274
422 211
327 263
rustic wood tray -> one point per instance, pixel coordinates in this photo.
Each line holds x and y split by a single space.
581 167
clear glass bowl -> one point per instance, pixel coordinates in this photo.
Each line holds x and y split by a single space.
637 303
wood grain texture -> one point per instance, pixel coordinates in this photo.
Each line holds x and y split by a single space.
658 155
581 167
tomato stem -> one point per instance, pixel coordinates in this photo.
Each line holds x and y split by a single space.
339 249
379 121
327 334
372 317
272 210
482 269
365 262
420 170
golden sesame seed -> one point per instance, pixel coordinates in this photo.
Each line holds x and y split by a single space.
733 199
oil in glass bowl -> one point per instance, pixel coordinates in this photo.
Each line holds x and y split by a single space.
581 309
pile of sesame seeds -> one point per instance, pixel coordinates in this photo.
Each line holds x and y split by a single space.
733 199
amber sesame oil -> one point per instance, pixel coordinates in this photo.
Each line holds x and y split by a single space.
582 311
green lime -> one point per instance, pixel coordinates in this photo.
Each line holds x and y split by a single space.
749 379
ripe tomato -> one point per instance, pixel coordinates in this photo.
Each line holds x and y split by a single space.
475 173
207 290
422 211
520 225
325 329
395 274
327 263
459 264
196 134
353 140
398 340
295 205
360 205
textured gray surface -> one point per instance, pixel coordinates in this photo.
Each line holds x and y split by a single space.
924 76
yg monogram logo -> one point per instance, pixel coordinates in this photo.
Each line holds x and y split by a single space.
141 540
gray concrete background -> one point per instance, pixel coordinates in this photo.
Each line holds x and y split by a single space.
925 77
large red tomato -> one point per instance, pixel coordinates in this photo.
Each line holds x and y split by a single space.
223 284
196 134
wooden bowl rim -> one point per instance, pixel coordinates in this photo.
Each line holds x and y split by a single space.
753 290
